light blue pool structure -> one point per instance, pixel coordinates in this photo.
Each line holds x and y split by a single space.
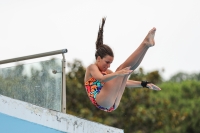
33 99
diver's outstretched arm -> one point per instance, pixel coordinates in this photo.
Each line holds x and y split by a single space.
137 84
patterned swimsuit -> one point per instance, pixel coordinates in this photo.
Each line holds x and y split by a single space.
93 87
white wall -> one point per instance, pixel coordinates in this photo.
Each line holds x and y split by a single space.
51 119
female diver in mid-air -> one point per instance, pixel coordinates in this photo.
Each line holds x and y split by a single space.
104 87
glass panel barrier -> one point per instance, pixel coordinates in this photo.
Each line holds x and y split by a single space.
38 83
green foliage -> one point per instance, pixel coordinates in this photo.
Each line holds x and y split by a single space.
154 76
181 76
182 102
174 109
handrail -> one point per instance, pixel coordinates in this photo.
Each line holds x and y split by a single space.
33 56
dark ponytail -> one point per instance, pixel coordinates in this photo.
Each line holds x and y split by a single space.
101 49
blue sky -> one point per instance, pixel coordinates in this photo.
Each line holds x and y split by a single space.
32 27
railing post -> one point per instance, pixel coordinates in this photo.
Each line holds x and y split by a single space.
63 85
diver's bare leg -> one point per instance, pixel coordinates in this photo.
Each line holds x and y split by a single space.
136 57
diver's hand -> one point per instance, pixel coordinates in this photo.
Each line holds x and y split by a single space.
125 71
153 87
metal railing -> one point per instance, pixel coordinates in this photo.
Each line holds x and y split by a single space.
63 51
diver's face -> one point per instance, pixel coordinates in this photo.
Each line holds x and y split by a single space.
104 63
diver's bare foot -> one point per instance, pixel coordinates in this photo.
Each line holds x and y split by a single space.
149 39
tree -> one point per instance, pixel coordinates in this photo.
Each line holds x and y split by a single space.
182 76
154 76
